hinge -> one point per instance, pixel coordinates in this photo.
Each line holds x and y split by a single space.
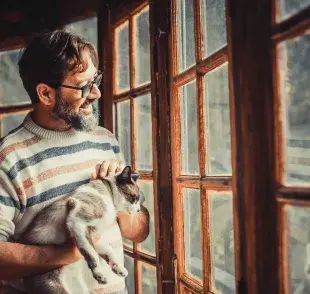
242 289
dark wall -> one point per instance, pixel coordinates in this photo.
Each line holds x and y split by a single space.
19 19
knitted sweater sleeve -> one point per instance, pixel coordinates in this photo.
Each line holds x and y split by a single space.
9 206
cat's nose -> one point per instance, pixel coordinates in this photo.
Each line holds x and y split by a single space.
138 209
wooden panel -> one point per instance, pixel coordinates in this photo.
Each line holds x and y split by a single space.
249 45
160 74
105 46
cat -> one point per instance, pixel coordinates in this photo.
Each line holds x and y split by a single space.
86 212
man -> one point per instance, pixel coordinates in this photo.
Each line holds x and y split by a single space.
57 148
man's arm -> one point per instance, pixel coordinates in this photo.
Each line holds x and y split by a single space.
18 260
134 227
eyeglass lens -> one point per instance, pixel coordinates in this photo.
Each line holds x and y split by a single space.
89 87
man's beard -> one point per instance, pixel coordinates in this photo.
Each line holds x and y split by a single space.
63 110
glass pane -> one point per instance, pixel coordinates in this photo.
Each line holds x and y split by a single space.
149 279
12 91
142 48
122 58
218 122
298 242
295 76
192 231
130 279
147 189
214 25
289 7
10 122
144 133
189 133
222 240
186 36
123 129
86 28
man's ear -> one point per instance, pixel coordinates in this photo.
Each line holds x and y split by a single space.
46 94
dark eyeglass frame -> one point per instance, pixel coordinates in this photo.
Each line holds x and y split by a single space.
88 87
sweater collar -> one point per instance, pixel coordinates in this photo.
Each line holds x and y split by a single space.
32 127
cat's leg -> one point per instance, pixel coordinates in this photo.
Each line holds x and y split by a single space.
105 250
80 232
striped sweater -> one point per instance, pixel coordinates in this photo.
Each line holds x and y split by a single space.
39 166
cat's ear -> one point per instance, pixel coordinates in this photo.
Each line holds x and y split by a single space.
125 175
135 176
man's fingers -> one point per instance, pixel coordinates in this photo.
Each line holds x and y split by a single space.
112 168
104 169
93 176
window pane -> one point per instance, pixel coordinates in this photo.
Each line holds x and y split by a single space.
12 91
10 122
130 279
289 7
122 58
214 25
142 48
218 123
86 28
295 76
222 240
298 241
123 129
144 133
192 231
186 36
149 279
147 189
189 133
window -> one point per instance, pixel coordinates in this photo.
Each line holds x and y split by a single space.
14 101
203 198
133 125
291 42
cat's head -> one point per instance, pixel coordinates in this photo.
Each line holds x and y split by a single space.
129 195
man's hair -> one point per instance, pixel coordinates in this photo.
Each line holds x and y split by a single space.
50 56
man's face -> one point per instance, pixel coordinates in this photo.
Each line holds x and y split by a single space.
80 113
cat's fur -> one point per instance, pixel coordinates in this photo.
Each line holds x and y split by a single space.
88 211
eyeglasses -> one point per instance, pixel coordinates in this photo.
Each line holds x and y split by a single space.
88 87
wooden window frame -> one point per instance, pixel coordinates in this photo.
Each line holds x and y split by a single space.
294 195
109 19
197 72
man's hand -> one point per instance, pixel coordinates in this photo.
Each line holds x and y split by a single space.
107 168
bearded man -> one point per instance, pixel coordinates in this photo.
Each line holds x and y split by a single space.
58 147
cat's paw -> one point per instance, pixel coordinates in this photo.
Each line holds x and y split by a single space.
99 276
119 270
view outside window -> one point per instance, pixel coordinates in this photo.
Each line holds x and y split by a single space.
12 91
294 60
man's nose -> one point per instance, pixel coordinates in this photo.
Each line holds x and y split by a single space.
94 93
